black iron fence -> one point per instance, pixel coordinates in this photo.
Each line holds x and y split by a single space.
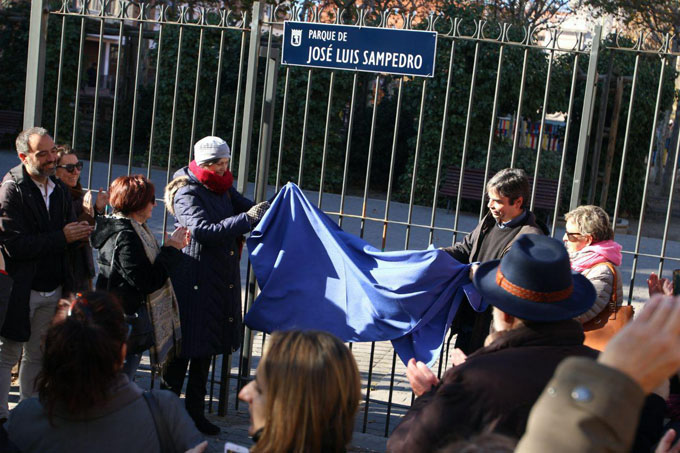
383 154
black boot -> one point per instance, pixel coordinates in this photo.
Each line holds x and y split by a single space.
204 425
195 395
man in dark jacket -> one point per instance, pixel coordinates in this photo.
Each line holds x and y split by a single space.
507 219
535 296
36 226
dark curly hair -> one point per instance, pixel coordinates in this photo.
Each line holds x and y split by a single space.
82 353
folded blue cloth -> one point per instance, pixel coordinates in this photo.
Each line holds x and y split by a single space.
313 275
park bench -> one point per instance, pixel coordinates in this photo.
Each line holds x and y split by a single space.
473 185
10 124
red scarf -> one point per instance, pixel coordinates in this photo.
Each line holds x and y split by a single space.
210 179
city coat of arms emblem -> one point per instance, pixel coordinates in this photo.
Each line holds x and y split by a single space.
296 38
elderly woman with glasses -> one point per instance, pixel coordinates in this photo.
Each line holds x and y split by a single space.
80 258
593 252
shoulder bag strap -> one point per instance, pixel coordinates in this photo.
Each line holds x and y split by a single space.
613 300
159 422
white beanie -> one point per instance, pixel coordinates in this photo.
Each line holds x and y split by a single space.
209 148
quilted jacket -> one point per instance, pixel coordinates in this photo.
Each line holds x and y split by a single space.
208 280
603 280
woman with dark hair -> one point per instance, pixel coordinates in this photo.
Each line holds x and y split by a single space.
305 395
79 259
208 280
131 263
85 402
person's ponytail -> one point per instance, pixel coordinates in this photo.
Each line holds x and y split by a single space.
82 354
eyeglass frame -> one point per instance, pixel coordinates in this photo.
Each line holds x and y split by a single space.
71 167
571 235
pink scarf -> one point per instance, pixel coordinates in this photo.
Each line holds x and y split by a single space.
600 252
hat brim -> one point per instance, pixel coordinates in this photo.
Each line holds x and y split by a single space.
580 301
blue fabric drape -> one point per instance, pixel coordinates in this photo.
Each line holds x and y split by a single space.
313 275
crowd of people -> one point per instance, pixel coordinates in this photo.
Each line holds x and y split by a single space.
522 378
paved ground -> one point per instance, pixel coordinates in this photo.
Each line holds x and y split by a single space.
372 420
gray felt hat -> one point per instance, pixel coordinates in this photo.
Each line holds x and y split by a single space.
209 148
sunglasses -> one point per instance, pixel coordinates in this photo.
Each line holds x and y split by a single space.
71 167
573 237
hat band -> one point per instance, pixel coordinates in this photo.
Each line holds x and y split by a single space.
534 296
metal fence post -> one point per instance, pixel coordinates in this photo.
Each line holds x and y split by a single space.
264 153
267 126
35 66
250 96
586 119
244 163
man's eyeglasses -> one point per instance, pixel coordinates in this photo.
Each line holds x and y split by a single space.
573 237
71 167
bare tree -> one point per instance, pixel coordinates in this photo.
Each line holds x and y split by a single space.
658 17
536 12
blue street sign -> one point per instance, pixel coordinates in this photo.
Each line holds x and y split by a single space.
369 49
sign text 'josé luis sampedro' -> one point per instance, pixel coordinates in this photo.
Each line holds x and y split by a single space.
385 50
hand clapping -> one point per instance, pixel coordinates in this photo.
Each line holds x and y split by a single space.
179 238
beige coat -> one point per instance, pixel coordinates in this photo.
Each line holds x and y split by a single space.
587 408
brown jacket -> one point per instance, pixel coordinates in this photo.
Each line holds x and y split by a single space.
497 384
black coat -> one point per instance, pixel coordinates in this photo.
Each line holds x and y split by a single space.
132 276
499 383
467 251
79 257
208 281
28 235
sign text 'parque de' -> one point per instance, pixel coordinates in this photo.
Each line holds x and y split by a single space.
384 50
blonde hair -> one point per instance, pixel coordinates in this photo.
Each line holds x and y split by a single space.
592 220
312 389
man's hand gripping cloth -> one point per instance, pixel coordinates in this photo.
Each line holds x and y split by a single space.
313 275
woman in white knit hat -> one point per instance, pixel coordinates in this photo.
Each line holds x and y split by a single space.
208 281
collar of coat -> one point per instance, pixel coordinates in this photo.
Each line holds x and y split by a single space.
171 190
123 392
20 176
560 333
528 218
